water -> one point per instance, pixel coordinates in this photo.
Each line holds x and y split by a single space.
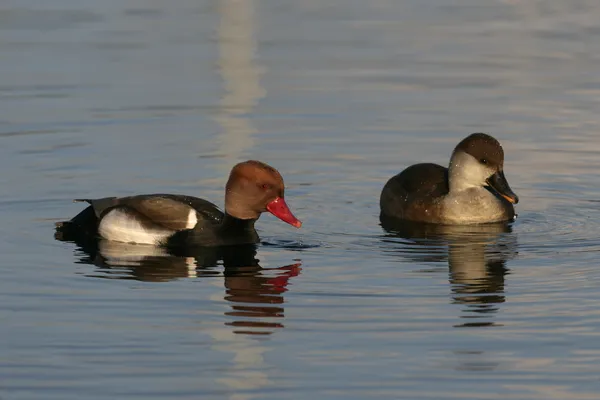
119 97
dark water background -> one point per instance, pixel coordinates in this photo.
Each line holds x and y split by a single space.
119 97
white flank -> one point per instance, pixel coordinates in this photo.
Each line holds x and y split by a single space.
120 226
192 219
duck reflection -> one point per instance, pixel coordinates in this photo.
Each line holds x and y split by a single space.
254 293
476 257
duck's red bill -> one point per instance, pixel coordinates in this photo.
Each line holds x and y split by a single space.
280 209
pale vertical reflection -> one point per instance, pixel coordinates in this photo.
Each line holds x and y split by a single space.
241 78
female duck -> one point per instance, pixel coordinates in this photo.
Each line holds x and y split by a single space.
472 190
169 219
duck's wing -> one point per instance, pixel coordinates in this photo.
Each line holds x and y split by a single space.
415 192
174 212
207 211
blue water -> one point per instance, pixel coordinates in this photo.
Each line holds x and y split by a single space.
102 98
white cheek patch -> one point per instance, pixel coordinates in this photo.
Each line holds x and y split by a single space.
466 172
122 226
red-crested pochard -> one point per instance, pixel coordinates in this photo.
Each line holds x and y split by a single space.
168 219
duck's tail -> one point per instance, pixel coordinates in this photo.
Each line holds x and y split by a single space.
82 224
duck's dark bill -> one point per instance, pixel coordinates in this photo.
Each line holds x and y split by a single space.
280 209
500 185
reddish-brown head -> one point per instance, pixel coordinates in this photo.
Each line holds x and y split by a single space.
255 187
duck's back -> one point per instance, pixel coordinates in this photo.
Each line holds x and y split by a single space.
415 194
167 212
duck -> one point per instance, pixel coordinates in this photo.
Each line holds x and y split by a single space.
177 220
472 190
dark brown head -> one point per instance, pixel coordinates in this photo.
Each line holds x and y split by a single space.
478 160
255 187
483 148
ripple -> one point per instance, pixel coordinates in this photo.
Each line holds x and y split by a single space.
289 244
45 20
570 228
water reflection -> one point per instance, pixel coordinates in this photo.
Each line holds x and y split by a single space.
476 257
243 292
255 293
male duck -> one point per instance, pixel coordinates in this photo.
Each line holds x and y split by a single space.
168 219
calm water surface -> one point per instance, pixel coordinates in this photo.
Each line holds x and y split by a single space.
119 97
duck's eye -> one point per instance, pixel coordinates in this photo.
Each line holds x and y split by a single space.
483 161
265 186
